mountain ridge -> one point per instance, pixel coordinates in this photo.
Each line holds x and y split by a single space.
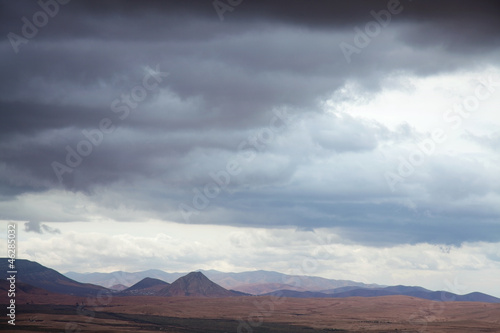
263 281
399 290
37 275
120 277
199 285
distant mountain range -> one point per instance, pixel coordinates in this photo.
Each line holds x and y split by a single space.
126 279
254 282
418 292
33 278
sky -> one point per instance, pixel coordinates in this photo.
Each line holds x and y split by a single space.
351 140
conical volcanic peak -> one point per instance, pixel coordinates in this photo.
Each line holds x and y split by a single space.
145 287
196 284
148 283
196 276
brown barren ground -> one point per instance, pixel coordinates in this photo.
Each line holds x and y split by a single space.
59 313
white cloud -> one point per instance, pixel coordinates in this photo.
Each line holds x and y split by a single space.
424 101
106 247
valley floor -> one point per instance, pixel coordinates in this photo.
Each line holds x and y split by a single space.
252 314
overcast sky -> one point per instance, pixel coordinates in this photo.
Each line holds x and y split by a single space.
356 140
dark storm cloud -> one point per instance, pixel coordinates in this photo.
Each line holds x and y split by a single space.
30 118
39 228
456 22
226 79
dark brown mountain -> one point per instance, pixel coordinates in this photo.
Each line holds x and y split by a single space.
198 285
145 287
21 289
478 297
34 274
418 292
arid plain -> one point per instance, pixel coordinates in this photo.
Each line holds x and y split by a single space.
48 312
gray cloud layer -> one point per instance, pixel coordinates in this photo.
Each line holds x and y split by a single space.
226 81
39 228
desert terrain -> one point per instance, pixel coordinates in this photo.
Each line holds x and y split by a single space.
60 313
47 301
